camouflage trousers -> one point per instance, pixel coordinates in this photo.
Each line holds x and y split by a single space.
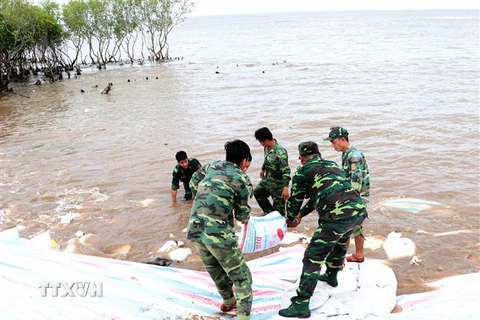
358 230
327 246
227 267
266 189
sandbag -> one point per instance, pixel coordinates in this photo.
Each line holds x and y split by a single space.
261 233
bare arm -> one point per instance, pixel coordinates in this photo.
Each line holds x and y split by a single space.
174 195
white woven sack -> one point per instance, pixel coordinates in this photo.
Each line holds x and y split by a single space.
261 233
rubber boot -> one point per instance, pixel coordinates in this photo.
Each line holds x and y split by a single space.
298 309
243 317
330 277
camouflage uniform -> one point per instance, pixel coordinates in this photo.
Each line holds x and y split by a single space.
276 177
222 193
184 175
340 210
356 169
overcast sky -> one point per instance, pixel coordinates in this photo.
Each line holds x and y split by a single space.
219 7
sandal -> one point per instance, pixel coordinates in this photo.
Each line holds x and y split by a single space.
228 307
354 258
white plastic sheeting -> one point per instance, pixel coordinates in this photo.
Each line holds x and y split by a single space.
139 291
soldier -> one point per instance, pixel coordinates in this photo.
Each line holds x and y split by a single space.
222 191
275 174
340 210
183 172
356 169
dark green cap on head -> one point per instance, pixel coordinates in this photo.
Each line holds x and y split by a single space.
337 132
307 148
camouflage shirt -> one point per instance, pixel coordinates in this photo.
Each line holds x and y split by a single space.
356 169
180 174
222 192
275 165
329 191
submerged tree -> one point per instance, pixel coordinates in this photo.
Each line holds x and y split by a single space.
48 40
125 26
29 35
158 18
74 15
107 26
36 37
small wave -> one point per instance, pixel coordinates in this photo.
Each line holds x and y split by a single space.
454 18
94 194
72 199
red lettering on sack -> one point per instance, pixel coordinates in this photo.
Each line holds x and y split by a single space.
280 234
258 243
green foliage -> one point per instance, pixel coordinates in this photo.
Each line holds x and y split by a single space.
48 31
24 26
158 18
52 8
6 38
125 18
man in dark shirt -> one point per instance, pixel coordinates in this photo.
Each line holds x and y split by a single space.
183 172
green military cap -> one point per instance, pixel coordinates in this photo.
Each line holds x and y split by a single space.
307 148
337 132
